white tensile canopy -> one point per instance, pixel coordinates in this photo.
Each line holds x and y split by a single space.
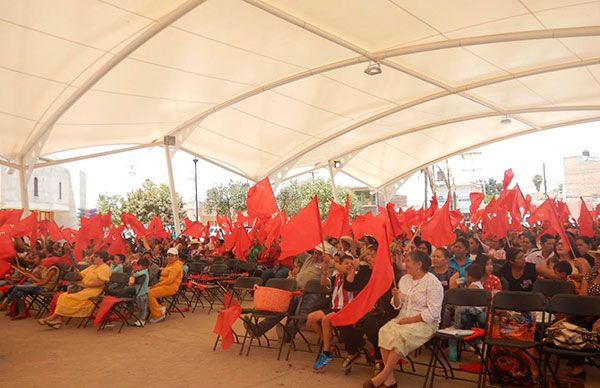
273 87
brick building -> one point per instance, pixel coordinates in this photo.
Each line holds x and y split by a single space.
582 178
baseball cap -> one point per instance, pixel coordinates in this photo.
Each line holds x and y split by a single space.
173 251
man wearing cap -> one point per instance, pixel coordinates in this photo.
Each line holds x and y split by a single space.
170 280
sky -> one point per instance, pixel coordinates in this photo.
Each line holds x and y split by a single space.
122 173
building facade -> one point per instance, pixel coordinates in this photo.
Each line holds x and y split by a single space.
582 178
50 194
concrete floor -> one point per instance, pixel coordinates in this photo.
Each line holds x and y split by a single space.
176 352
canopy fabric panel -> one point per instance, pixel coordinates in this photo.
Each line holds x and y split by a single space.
272 87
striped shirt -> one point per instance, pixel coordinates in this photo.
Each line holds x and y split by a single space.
340 297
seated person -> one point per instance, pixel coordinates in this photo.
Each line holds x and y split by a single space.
563 270
76 302
320 320
441 268
40 279
170 280
116 265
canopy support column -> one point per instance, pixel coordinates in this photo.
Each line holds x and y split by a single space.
23 178
174 202
333 188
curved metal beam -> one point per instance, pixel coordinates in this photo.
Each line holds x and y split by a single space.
219 164
184 130
431 97
36 144
487 142
454 120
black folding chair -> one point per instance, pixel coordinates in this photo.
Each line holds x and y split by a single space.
295 322
456 297
519 301
551 287
574 306
253 315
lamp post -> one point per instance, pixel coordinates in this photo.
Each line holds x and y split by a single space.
196 184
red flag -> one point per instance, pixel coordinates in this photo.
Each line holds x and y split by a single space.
187 222
337 223
438 230
7 247
10 217
508 177
476 199
194 229
27 227
226 319
585 221
54 231
156 228
456 218
116 241
495 225
138 228
433 206
90 230
70 235
362 224
380 281
261 201
547 212
395 223
241 218
303 231
273 228
206 231
242 243
106 219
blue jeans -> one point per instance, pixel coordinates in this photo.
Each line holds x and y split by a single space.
281 273
18 292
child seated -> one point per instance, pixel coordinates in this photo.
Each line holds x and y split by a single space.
563 270
139 279
320 320
116 265
465 317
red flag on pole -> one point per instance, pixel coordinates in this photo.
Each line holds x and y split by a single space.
194 229
116 241
7 247
54 231
138 228
337 222
261 201
26 227
10 216
156 228
508 177
90 230
303 231
438 230
476 199
380 281
242 243
585 221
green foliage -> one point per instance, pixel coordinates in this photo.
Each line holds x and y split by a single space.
294 195
150 200
537 181
114 203
226 199
492 187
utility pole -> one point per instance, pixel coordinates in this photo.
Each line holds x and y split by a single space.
545 185
196 184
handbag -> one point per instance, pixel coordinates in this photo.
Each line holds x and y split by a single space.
566 335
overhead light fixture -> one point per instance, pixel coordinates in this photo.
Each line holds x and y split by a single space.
374 68
337 164
505 121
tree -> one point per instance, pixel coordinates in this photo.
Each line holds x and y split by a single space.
492 187
537 181
151 200
226 199
294 195
114 203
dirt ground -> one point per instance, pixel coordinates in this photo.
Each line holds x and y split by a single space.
176 352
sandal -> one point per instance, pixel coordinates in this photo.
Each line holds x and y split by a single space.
349 360
53 324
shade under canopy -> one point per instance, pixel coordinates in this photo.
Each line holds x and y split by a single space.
267 87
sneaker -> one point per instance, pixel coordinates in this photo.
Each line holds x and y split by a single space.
139 323
159 319
322 360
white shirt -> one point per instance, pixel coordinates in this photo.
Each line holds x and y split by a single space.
423 296
537 257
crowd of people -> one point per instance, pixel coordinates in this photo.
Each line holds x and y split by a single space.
403 319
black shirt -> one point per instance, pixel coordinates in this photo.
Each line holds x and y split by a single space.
524 283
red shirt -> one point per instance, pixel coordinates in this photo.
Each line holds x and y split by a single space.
492 283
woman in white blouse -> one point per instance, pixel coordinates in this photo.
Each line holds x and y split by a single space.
419 298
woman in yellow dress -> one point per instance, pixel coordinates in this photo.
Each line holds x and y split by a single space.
78 304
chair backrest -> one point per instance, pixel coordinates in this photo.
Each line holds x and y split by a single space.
196 267
218 269
468 297
247 282
119 278
314 286
519 301
232 263
282 284
575 305
247 267
70 277
551 287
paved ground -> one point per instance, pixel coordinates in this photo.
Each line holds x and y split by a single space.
177 352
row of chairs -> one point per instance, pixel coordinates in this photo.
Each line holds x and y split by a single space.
537 349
